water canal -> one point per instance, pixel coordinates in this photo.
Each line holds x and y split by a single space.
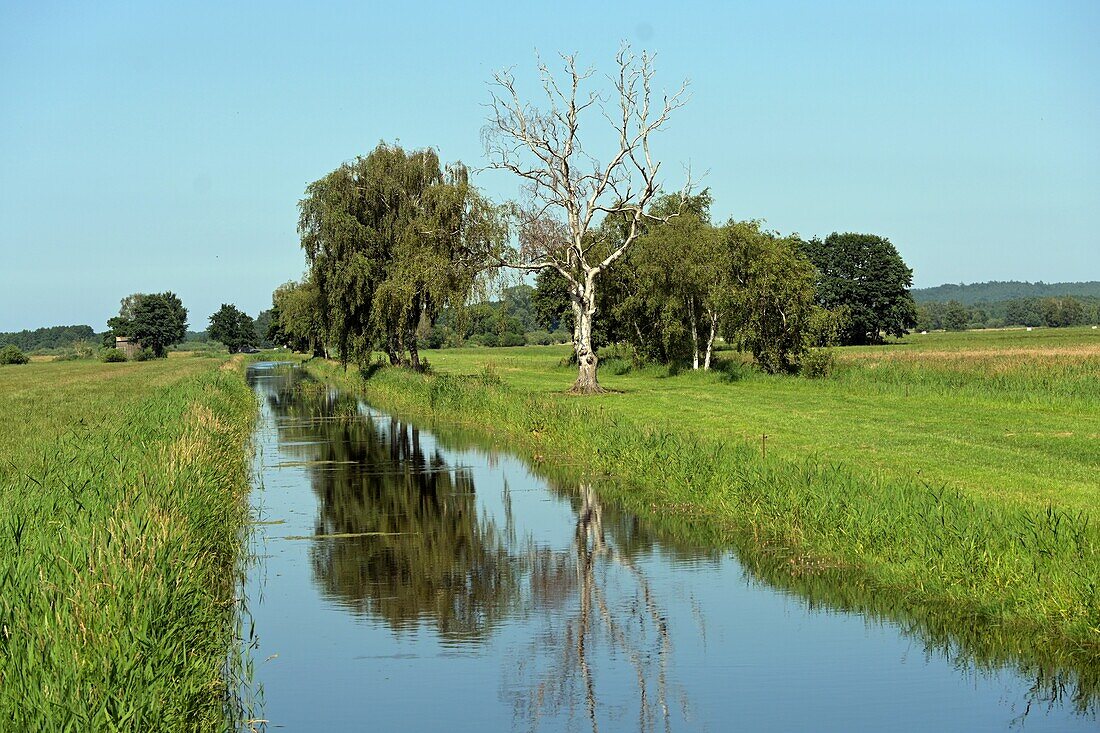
413 581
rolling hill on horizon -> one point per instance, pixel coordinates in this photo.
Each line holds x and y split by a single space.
998 290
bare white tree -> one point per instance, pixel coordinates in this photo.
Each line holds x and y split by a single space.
569 192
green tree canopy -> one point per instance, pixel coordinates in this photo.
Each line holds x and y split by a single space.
297 318
48 338
955 316
673 283
770 301
391 238
157 321
232 327
864 274
263 325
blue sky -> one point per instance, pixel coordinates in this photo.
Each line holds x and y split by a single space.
149 147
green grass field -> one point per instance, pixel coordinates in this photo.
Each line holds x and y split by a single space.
1011 415
123 494
950 480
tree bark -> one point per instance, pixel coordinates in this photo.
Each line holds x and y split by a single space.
391 350
694 335
584 308
710 339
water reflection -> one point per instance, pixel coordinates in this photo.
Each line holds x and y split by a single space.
583 611
398 537
427 554
601 619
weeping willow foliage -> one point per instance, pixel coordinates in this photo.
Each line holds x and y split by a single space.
391 239
771 301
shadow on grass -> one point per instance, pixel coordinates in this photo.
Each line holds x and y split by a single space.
367 371
722 370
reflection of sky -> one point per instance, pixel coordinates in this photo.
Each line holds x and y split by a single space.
743 656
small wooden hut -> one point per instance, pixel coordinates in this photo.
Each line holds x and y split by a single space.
127 345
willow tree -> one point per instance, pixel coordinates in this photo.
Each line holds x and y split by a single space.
678 282
771 310
297 317
391 238
568 190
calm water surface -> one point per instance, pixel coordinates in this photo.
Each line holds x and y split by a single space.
404 582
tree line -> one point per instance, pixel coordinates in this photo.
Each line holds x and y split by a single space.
401 248
1052 312
996 291
52 337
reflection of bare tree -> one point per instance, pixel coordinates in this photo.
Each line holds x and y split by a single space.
600 621
623 616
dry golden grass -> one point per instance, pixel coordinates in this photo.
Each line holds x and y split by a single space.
1078 352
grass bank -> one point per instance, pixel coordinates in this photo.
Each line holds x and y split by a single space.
1010 416
124 493
943 492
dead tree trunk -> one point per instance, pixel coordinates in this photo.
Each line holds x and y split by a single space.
568 188
584 308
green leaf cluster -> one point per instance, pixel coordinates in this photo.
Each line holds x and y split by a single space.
232 327
157 321
865 274
12 354
391 239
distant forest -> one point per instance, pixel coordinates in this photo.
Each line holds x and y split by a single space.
996 304
60 338
514 319
995 290
54 337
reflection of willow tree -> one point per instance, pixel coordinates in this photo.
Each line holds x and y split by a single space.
634 628
456 571
433 558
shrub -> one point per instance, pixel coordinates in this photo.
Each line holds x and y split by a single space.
539 338
11 354
485 339
818 362
144 354
112 356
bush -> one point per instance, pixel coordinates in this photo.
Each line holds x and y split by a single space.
78 350
484 339
11 354
818 362
113 356
144 354
539 338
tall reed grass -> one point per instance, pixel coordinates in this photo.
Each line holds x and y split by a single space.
124 496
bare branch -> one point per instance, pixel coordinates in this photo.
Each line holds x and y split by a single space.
567 186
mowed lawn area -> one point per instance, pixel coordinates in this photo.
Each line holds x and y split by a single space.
123 493
1008 415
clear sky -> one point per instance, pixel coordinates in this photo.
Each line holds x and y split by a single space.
164 146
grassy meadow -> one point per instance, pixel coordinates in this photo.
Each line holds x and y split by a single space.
1007 415
123 489
948 479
